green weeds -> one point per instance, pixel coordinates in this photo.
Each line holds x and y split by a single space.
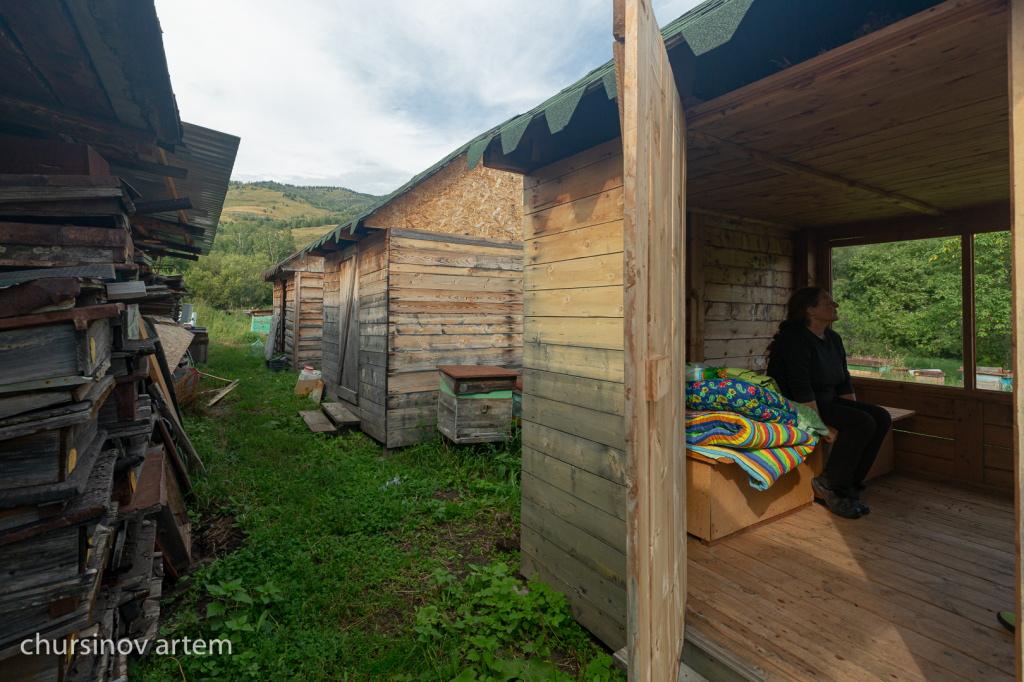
355 566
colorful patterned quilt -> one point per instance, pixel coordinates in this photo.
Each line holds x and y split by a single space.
765 451
741 397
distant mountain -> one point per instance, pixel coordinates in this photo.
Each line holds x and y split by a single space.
304 207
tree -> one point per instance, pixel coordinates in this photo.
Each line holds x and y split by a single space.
230 280
905 298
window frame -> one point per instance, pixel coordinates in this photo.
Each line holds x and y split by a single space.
996 219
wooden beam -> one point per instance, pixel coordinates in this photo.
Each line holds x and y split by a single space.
1016 69
104 271
162 206
807 173
37 117
60 235
160 170
733 216
168 245
989 218
165 226
967 306
173 190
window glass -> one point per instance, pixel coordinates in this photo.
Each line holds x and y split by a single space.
992 310
901 310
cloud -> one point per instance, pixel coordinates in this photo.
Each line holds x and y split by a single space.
366 95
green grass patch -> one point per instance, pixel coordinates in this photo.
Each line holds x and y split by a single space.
304 236
353 566
230 327
259 202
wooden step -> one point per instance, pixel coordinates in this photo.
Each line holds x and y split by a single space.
340 414
317 422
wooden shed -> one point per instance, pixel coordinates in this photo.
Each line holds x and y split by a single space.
398 302
668 215
298 306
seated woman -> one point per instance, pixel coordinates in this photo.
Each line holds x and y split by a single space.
808 361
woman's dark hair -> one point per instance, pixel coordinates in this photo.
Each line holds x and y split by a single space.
796 312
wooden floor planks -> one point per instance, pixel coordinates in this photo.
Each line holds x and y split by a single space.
908 592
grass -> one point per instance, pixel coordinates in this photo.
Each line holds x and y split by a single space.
304 236
226 326
260 202
954 375
355 567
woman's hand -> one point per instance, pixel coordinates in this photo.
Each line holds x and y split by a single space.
831 436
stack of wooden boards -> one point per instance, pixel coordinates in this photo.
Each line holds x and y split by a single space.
91 500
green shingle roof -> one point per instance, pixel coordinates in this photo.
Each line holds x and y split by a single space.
703 28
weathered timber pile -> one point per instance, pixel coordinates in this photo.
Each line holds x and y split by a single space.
92 448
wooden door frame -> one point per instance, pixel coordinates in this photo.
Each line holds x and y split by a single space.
344 316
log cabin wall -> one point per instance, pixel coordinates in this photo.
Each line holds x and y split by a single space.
747 271
482 202
451 301
573 481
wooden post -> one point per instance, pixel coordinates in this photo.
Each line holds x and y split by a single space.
654 209
967 306
1016 88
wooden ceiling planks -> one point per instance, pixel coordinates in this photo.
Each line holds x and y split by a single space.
922 115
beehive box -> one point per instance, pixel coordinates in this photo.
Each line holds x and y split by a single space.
474 403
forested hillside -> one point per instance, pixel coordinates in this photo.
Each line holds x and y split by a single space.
307 206
905 299
263 222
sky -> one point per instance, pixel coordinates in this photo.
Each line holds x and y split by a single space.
366 94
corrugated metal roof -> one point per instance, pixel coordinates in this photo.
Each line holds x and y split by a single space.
704 28
209 156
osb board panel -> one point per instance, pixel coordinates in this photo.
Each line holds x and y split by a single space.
483 202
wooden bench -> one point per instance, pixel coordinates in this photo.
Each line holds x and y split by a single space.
720 502
884 462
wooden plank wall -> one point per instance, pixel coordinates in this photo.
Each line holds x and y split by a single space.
452 301
310 318
278 307
748 274
957 435
289 319
330 342
373 333
573 486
